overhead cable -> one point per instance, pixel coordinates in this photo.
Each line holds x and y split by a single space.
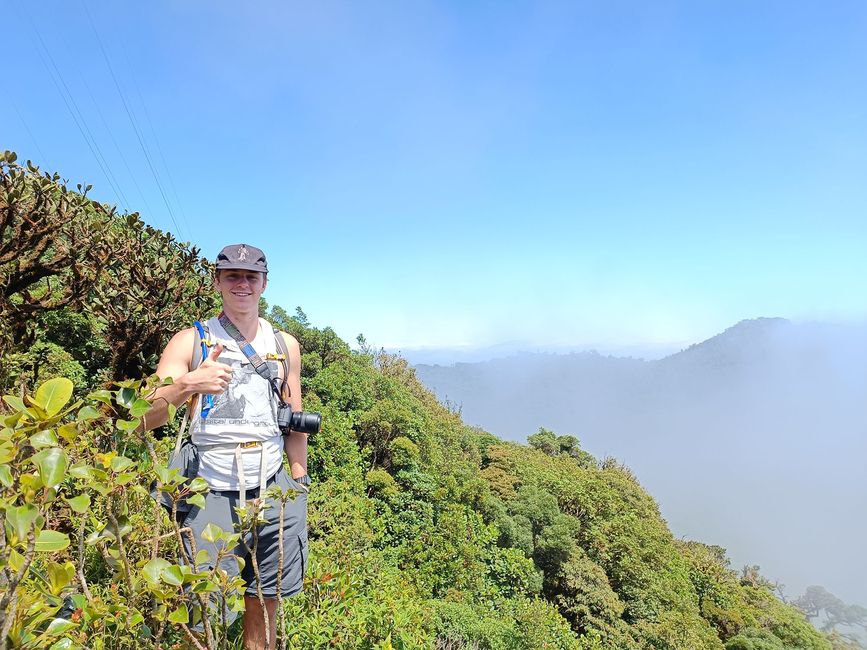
133 123
77 116
29 132
123 159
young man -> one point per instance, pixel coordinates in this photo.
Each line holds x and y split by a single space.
238 441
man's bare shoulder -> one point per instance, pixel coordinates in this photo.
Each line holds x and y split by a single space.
291 342
178 354
185 336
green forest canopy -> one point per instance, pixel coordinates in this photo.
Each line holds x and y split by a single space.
424 532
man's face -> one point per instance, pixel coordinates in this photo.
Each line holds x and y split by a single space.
240 288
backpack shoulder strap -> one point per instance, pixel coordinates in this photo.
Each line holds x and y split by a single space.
195 362
281 346
197 357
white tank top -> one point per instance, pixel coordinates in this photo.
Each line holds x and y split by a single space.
246 411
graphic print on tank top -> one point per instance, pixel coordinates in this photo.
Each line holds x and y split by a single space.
241 404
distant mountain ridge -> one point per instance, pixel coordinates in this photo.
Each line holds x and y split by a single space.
757 425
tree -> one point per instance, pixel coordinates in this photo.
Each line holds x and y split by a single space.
54 244
829 611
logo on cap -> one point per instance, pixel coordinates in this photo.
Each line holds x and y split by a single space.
242 257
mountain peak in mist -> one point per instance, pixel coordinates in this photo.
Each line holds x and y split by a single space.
753 332
747 342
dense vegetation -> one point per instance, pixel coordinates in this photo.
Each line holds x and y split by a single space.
424 532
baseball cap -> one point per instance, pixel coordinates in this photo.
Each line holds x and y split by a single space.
242 257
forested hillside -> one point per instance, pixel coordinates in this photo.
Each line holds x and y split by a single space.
424 532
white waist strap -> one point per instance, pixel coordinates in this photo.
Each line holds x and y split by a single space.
240 448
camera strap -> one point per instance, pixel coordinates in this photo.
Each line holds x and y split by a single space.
264 370
259 365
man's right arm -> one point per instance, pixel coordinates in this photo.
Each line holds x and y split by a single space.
210 378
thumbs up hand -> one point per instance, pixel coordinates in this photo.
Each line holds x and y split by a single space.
215 353
212 377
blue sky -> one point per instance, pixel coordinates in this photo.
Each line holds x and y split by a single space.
611 174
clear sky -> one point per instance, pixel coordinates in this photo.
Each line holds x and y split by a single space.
444 174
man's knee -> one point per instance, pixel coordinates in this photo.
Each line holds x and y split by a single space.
252 604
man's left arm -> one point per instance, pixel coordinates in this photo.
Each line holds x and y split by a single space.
295 443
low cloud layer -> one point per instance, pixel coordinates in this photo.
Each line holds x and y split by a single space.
755 440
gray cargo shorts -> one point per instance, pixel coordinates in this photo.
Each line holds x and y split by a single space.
220 510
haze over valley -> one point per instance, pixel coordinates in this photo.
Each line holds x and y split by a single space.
755 439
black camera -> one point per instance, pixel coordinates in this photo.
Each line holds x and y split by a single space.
304 421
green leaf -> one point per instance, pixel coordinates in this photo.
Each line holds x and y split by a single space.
16 403
30 482
7 452
88 413
180 615
139 408
48 541
95 536
59 576
173 575
51 464
126 477
21 520
205 586
16 560
12 420
202 557
79 504
81 471
198 484
121 463
53 395
101 396
125 397
154 568
127 425
68 432
59 626
212 533
42 439
162 474
64 644
197 500
35 412
6 476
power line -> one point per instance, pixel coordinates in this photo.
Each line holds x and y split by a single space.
132 120
77 116
117 147
29 132
162 157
